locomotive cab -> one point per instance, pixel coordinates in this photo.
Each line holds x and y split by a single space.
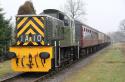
69 26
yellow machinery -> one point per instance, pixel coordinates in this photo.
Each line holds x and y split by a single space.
28 59
30 53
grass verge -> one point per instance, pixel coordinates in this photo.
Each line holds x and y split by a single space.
109 66
5 68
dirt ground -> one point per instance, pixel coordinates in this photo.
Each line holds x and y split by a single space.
107 65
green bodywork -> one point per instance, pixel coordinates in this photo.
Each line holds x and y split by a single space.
55 30
68 37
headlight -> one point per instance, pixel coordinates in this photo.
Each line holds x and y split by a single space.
44 55
11 55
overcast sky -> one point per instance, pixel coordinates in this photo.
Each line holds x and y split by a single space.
103 15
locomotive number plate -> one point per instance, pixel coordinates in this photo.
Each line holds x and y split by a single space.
32 38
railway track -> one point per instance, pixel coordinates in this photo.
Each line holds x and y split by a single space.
32 77
9 76
24 77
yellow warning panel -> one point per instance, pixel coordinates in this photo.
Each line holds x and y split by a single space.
30 30
29 60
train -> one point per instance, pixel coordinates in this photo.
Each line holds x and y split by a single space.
52 39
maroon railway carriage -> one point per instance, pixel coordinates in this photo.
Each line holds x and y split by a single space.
89 38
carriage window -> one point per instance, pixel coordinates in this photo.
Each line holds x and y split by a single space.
66 21
61 17
84 29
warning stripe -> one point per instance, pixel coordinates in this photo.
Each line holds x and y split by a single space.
42 43
30 31
38 21
18 29
26 43
25 18
41 26
27 25
35 43
18 43
30 25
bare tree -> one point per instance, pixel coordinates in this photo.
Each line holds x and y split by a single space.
75 8
122 25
